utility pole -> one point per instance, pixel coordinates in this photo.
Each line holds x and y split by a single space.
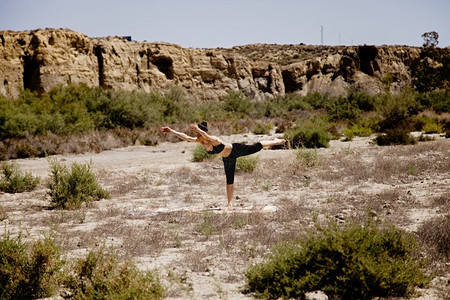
321 35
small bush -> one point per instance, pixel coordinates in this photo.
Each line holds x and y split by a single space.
342 108
438 100
103 276
309 134
199 154
316 100
354 262
28 272
357 130
14 180
247 163
236 102
70 189
262 128
430 125
397 110
447 129
396 136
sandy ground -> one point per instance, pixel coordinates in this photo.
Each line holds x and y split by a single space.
204 255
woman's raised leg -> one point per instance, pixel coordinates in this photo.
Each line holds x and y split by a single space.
274 142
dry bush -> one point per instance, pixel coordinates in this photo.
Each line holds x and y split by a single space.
144 240
428 157
196 261
442 201
129 184
95 141
435 233
3 214
342 167
291 211
185 175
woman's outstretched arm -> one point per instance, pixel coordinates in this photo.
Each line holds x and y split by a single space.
212 138
178 134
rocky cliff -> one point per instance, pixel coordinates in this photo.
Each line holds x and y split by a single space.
41 59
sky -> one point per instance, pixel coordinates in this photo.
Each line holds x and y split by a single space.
228 23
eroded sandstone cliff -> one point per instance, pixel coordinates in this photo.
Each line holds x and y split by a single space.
41 59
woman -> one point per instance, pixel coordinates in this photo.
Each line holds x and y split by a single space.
229 152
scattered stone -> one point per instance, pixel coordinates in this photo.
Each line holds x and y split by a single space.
316 295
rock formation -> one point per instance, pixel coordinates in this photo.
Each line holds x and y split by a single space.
42 59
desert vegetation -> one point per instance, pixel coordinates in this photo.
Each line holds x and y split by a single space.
77 118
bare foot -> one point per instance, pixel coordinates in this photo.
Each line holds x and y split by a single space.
279 141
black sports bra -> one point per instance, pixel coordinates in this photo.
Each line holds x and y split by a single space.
217 149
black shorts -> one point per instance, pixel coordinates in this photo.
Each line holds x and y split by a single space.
229 162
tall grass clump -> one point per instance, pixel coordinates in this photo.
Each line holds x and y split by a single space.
308 157
435 233
13 180
28 271
352 262
247 163
311 133
102 276
70 189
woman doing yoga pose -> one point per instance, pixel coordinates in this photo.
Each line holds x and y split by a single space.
228 152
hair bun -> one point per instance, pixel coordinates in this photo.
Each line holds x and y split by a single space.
203 126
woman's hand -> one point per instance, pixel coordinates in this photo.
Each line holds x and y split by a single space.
165 129
195 127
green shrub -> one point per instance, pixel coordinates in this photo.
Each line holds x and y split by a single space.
353 262
430 125
28 272
342 108
362 128
14 180
262 128
70 189
316 100
437 100
296 102
397 110
447 129
396 136
247 163
199 154
237 103
309 134
103 276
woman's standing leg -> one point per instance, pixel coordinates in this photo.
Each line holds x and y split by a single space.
230 193
229 165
